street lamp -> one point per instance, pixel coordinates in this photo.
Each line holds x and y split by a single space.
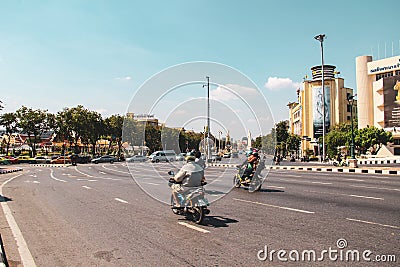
350 100
320 38
208 117
219 141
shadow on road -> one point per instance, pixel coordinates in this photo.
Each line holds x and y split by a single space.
4 199
218 221
271 190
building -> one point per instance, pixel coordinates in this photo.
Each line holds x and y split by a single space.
146 118
378 89
306 114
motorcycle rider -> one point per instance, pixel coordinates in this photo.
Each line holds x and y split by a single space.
252 162
190 175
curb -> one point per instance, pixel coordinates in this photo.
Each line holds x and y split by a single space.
3 258
222 165
4 171
51 165
377 161
343 170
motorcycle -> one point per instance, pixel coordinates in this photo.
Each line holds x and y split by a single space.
340 164
252 182
193 203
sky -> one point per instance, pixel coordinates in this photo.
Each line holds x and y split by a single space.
99 54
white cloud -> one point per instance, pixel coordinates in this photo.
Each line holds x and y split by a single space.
276 84
126 78
223 93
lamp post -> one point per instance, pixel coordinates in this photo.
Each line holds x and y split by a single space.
320 38
219 141
208 118
350 100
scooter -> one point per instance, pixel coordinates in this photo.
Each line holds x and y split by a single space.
193 203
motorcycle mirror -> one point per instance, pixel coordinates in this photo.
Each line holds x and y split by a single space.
171 173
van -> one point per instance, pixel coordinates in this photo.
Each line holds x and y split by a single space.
165 155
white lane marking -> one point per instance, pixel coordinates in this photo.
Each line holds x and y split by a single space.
357 180
373 187
33 175
102 172
280 187
121 200
373 223
23 250
302 181
273 206
114 170
194 227
92 180
320 183
87 187
358 196
76 169
151 183
36 182
52 177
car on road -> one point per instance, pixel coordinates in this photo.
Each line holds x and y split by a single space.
166 155
26 159
104 159
4 161
13 160
136 158
42 160
61 160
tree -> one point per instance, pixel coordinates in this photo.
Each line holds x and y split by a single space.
114 126
339 135
34 123
94 128
9 121
293 143
371 138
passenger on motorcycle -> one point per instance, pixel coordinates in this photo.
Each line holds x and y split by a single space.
190 175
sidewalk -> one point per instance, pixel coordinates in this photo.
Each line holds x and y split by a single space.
326 168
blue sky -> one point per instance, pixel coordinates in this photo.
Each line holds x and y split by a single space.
56 54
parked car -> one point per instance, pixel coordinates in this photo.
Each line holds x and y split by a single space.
26 159
61 160
137 158
42 160
103 159
13 160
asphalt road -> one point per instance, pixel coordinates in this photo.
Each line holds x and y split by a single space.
99 215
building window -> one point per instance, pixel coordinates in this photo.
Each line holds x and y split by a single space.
348 118
384 75
397 72
396 141
348 108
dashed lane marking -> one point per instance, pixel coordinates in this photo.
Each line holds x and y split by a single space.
358 196
274 206
201 230
374 223
121 200
87 187
373 187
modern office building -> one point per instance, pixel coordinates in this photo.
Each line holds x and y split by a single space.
378 93
306 114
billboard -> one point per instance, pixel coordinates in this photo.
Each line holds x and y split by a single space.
317 110
391 98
